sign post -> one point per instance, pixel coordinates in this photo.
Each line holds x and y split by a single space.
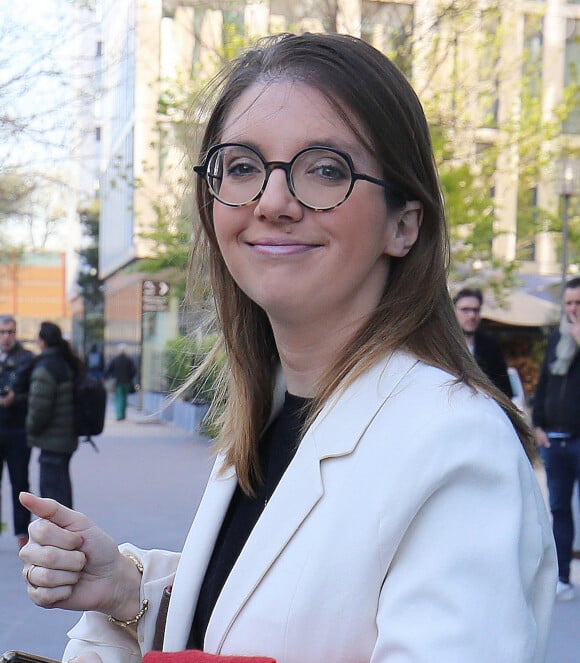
154 300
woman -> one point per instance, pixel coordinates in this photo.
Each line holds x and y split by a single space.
371 500
50 422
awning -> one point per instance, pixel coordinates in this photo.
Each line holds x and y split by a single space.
521 309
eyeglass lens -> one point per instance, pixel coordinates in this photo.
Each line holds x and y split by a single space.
319 178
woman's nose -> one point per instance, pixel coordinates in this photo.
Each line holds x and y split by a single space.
277 203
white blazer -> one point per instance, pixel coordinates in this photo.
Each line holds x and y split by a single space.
409 527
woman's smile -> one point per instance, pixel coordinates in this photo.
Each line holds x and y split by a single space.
282 247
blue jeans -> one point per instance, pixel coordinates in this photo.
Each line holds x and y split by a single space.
16 454
54 476
562 462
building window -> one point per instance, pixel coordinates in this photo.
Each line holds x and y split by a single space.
532 60
527 222
489 70
389 28
571 124
233 25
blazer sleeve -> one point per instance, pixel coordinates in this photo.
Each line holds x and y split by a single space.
474 575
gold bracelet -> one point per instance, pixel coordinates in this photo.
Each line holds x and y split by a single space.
144 605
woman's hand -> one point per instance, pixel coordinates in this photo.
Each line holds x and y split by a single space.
70 563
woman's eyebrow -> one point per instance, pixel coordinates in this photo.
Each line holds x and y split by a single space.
353 149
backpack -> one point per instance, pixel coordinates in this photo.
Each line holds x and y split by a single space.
90 402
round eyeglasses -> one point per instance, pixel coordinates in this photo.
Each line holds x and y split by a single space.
321 178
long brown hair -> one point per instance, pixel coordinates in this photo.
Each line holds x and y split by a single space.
415 312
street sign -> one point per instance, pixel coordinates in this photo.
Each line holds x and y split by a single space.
154 296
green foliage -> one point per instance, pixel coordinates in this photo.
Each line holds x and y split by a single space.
184 354
470 213
88 281
170 241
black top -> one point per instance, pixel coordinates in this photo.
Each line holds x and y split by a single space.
121 369
277 448
556 401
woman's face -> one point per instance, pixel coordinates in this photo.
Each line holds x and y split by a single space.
300 265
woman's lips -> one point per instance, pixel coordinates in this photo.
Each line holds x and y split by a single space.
274 248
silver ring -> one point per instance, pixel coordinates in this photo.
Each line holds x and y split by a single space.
27 576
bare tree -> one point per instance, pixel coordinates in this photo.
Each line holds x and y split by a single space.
43 84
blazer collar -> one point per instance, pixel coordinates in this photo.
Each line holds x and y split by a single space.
335 432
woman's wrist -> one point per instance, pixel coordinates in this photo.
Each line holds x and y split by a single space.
127 603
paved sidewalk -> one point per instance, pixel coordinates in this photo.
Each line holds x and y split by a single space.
144 486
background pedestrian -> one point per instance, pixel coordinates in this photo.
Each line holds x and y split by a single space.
556 419
50 422
122 370
95 362
485 350
15 368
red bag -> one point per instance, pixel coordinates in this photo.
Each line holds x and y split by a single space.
195 656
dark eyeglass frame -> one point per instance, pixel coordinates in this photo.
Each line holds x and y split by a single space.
286 166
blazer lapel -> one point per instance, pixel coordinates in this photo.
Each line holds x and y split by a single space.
335 432
200 542
195 557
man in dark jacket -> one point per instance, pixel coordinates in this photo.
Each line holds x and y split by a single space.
122 370
486 352
556 419
15 368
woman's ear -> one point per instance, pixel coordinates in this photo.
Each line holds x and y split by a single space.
404 229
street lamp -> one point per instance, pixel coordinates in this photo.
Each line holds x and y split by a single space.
569 181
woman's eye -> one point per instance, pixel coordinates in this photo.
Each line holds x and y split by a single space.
242 168
331 171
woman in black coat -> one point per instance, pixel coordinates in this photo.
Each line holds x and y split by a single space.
50 422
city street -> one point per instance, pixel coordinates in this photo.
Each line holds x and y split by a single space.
144 486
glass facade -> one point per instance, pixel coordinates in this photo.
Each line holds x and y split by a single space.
389 28
571 124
